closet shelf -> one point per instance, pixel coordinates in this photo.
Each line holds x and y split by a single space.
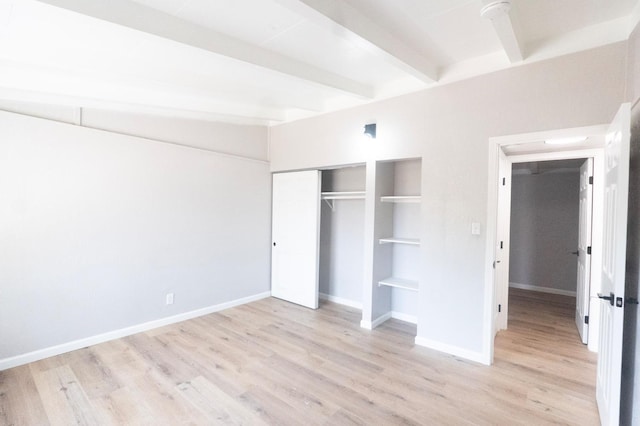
396 240
353 195
400 198
399 283
330 197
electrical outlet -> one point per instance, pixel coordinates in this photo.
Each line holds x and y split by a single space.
169 298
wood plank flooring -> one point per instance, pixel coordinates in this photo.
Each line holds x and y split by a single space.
271 362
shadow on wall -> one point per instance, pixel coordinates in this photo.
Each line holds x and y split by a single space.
630 392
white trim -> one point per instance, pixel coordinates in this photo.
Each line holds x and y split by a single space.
340 300
141 138
542 289
39 354
404 317
370 325
480 357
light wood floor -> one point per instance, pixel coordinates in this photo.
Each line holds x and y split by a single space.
271 362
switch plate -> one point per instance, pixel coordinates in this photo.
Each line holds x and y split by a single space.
475 228
169 299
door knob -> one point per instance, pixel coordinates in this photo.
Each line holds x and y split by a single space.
577 253
611 298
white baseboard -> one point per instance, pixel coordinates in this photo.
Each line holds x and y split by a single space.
370 325
341 301
542 289
453 350
39 354
404 317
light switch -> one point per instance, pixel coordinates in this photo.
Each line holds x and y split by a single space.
475 228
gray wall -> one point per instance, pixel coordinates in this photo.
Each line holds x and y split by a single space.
544 230
96 228
449 128
342 236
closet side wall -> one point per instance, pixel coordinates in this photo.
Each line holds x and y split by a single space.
406 224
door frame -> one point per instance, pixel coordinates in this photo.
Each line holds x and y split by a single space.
585 240
546 153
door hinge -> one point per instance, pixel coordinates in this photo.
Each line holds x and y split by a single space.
586 319
504 181
590 180
589 250
499 308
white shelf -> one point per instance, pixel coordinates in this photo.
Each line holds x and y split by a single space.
400 199
391 240
330 197
399 283
353 195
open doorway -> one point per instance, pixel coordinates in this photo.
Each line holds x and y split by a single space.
590 284
550 232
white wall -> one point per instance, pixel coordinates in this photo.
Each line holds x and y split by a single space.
449 127
633 67
544 230
96 228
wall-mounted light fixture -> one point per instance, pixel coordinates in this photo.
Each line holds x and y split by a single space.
370 130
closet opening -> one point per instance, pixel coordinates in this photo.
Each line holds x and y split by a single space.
342 231
396 251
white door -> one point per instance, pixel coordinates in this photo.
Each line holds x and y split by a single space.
584 249
502 243
613 267
295 233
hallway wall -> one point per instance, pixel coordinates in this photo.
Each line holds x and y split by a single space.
544 231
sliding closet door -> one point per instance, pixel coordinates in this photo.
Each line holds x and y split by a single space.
295 233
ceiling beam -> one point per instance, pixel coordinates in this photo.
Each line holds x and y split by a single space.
339 16
138 17
498 13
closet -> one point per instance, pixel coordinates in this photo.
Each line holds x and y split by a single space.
396 255
368 223
342 235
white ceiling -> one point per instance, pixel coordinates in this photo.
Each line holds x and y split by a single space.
269 61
